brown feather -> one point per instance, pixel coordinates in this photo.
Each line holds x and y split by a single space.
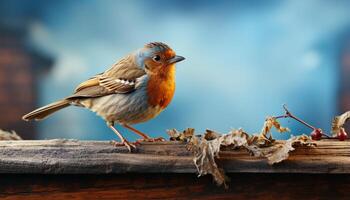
91 82
106 83
45 111
126 68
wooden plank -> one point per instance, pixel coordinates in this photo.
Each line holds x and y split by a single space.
62 156
174 186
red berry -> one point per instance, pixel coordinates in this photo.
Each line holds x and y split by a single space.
342 135
316 134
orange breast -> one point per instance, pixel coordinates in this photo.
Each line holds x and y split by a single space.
161 87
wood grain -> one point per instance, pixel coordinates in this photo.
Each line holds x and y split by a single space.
62 156
174 186
72 169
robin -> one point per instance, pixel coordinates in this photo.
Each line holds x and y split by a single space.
134 90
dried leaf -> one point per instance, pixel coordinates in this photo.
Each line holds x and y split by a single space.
265 137
304 140
262 141
235 138
205 152
185 136
188 133
204 159
5 135
277 153
206 148
272 122
280 151
173 134
210 135
339 121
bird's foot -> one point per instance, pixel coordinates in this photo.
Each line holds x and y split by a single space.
131 146
158 139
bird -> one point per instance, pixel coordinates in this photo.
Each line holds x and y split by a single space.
135 89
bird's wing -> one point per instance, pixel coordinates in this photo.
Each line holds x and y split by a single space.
120 78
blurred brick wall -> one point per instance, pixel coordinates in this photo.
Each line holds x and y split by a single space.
19 69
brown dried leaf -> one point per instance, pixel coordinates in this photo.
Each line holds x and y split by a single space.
185 136
303 140
280 151
5 135
339 121
235 138
210 135
204 159
205 151
207 148
188 133
173 134
265 137
262 141
272 122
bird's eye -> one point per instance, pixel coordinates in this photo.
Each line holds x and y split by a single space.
156 58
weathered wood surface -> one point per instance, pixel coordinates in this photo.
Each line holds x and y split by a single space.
100 157
174 186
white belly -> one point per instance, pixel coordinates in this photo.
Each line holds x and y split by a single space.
130 108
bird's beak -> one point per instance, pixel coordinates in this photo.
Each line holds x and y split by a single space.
176 59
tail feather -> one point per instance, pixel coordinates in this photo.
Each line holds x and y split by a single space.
43 112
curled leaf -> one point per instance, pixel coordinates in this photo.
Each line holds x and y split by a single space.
272 122
265 137
339 121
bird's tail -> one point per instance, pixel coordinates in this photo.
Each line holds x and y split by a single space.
43 112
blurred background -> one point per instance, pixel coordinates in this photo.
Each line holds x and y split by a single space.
244 59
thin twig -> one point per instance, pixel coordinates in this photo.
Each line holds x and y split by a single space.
281 116
288 113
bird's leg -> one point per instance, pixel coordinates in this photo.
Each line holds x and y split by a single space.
144 136
125 142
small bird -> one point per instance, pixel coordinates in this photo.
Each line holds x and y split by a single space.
133 90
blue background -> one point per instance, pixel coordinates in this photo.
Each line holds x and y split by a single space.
244 59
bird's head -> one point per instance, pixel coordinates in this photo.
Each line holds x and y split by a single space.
157 58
